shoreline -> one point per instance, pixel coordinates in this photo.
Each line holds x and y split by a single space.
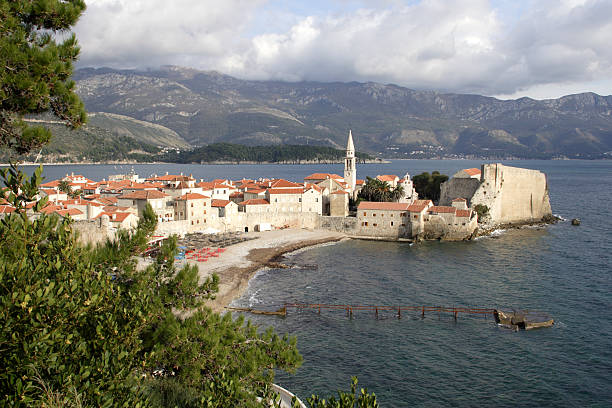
240 262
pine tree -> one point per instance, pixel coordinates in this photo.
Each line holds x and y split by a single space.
35 69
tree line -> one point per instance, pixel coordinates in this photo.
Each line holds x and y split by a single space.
259 154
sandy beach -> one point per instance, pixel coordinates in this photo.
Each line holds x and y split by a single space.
238 264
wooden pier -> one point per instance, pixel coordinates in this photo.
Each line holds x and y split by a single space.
514 319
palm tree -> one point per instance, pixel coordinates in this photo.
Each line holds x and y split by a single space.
376 190
64 187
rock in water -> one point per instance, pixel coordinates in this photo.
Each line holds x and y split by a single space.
576 221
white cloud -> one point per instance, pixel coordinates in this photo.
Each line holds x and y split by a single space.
458 46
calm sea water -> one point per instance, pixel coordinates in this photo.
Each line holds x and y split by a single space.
435 361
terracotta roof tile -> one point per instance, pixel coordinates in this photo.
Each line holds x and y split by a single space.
464 213
281 183
426 202
371 205
417 208
442 209
192 196
69 211
220 203
387 177
144 195
472 172
323 176
255 201
6 209
459 200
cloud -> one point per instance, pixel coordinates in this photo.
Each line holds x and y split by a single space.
458 46
137 33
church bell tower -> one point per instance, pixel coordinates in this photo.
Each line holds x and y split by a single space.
350 168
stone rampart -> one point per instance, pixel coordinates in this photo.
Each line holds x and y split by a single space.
458 229
93 231
512 194
458 188
347 225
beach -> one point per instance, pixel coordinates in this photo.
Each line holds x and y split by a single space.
238 263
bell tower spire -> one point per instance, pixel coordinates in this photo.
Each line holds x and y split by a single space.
350 167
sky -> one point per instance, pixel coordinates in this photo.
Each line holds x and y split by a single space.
503 48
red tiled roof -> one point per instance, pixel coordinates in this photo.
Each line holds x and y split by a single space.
144 195
464 213
50 208
281 183
472 172
387 177
442 209
207 185
6 209
192 196
340 192
69 211
286 191
323 176
170 177
236 194
371 205
426 202
256 190
53 183
50 191
107 200
359 182
255 201
220 203
417 207
119 216
459 199
308 186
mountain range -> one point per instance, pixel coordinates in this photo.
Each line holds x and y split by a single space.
181 107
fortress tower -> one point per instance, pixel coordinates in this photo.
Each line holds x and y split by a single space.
350 168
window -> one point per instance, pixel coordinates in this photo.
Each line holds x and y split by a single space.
317 200
374 215
382 215
391 223
191 222
191 205
364 213
403 225
416 216
375 225
300 199
366 224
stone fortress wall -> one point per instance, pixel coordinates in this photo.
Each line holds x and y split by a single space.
512 194
458 188
93 231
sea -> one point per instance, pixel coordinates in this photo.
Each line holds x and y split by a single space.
435 361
